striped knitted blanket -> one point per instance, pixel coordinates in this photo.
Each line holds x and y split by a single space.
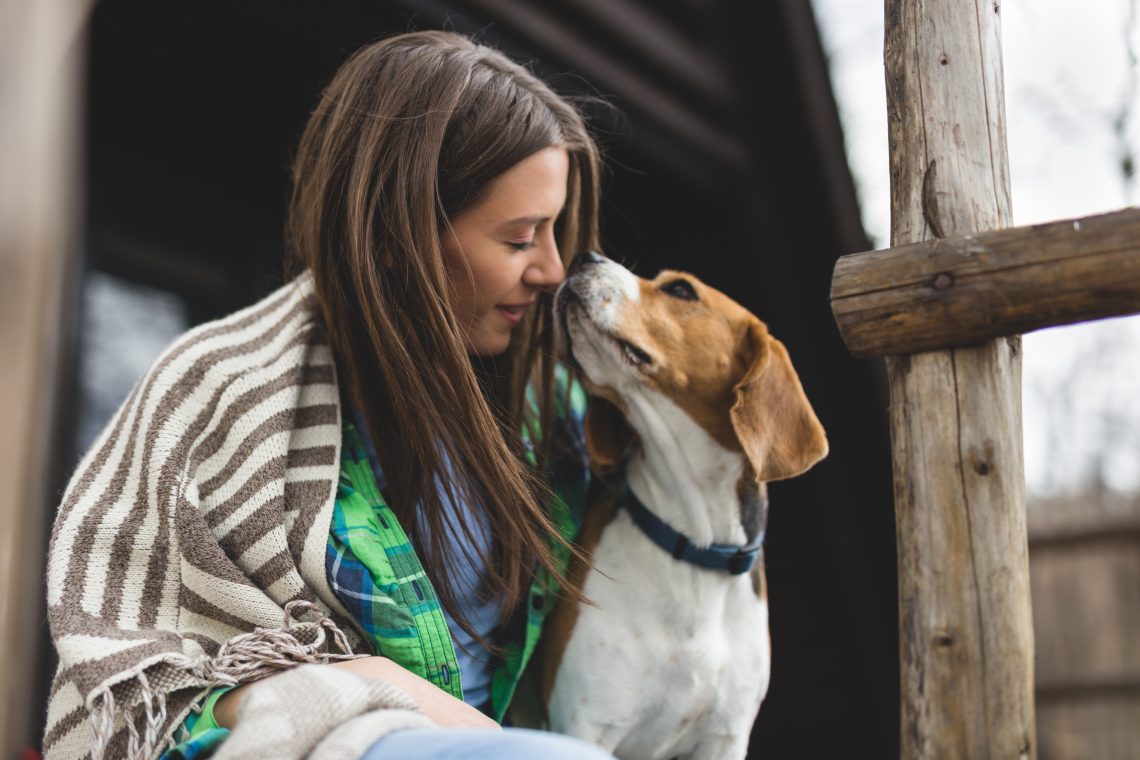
198 515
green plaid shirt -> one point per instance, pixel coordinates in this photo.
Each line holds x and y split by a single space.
374 570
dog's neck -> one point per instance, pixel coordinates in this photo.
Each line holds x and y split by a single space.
683 475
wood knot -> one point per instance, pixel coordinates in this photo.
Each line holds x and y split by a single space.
982 461
943 281
943 639
944 59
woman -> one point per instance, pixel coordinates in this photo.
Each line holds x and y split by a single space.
345 457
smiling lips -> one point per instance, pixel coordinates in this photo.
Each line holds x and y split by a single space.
512 312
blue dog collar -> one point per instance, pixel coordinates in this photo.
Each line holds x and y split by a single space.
727 557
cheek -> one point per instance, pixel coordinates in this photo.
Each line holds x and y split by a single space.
473 274
492 281
650 324
695 353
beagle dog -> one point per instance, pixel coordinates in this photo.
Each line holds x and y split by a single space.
702 407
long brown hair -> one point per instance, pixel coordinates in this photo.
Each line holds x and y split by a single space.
411 132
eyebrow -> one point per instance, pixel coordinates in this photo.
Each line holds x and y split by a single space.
525 220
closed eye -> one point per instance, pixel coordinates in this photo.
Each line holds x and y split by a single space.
682 289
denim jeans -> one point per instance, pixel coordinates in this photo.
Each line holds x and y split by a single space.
481 744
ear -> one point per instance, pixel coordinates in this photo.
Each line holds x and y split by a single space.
608 435
773 420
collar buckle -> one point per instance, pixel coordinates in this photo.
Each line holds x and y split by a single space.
741 562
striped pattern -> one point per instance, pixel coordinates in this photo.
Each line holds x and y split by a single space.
200 511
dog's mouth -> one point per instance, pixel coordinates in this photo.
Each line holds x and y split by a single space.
633 354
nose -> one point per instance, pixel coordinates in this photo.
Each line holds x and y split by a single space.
546 272
580 262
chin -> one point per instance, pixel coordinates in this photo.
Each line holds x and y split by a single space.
489 345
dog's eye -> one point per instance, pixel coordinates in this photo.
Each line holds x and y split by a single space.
635 355
682 289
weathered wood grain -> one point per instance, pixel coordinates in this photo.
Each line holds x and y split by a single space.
965 625
966 289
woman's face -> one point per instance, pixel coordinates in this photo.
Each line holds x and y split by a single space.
501 252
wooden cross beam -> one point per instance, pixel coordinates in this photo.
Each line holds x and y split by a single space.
966 635
963 290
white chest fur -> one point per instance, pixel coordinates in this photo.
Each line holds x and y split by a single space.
674 660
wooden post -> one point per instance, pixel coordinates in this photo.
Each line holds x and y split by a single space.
965 623
42 49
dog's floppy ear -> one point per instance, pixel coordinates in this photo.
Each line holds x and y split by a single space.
773 420
608 435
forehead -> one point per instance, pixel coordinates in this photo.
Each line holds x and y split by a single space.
716 301
534 187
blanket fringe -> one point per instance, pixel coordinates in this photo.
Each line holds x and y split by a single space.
242 659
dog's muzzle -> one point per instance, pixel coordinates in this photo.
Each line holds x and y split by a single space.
566 295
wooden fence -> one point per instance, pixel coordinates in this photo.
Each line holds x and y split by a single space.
1085 576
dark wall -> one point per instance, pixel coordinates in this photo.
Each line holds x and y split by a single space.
724 158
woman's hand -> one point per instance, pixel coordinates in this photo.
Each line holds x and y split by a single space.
439 706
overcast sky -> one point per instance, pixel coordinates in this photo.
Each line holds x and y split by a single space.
1070 82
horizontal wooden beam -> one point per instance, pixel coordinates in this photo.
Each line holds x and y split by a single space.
1092 531
963 290
1123 683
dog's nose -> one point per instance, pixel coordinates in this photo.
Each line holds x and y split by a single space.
586 259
